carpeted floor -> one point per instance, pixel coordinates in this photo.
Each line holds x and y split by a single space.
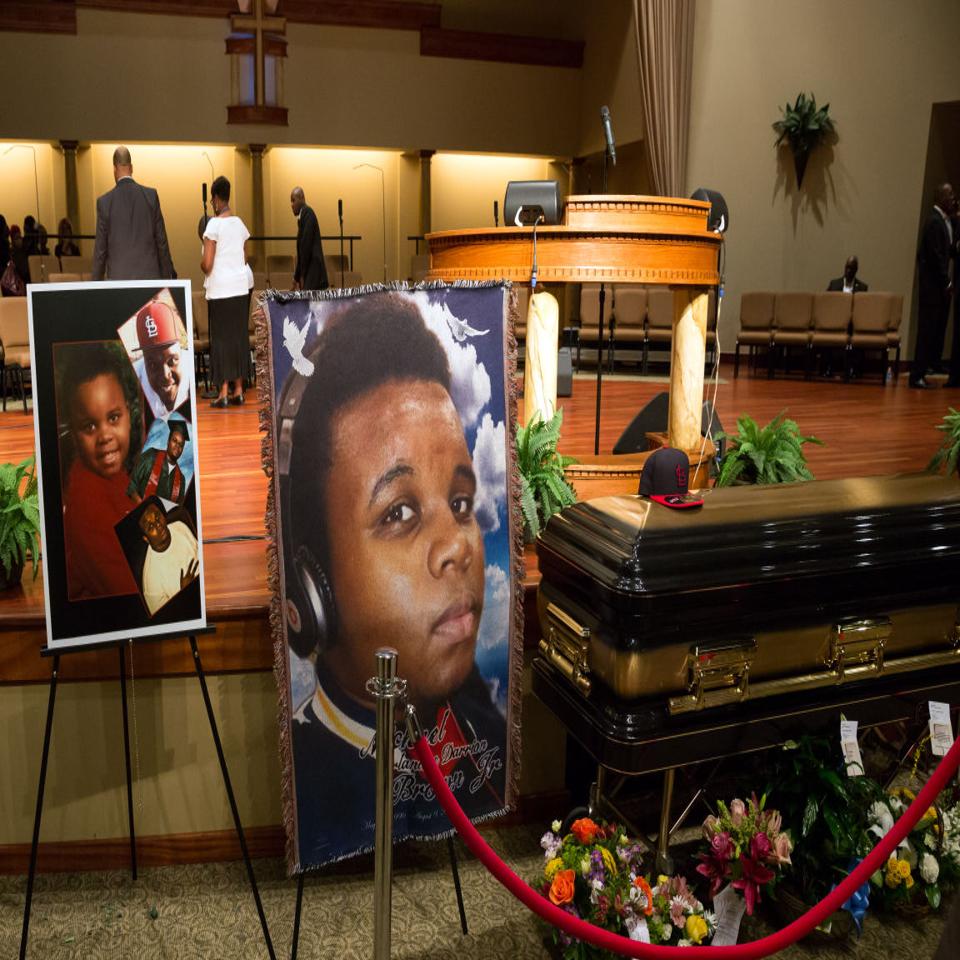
208 912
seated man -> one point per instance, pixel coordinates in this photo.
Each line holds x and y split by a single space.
848 283
171 563
156 472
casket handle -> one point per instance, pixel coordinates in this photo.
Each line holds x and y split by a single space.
567 647
854 643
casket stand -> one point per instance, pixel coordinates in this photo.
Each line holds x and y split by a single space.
671 637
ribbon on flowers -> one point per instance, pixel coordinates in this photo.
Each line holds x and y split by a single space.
575 927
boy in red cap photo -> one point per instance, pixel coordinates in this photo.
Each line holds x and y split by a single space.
165 364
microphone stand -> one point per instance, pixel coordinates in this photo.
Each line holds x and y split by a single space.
340 215
603 300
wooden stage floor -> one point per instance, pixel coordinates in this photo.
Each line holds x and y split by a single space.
868 430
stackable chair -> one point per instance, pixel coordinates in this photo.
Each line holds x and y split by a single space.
629 318
201 337
756 327
76 264
893 330
659 326
14 346
871 323
65 278
41 267
792 316
278 280
831 325
280 263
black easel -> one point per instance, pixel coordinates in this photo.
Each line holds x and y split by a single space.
603 300
56 653
454 869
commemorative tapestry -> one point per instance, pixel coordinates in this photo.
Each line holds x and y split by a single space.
115 415
393 518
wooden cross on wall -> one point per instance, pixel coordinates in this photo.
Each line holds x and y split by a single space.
258 24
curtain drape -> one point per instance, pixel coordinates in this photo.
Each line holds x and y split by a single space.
664 31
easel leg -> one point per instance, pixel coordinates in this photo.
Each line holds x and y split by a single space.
296 918
233 802
452 851
34 846
126 754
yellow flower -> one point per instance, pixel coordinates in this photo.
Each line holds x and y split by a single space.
550 870
903 868
662 879
696 928
908 883
608 860
892 880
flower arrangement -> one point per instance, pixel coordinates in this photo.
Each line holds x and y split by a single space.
926 862
594 873
746 847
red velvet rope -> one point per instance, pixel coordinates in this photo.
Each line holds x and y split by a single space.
582 930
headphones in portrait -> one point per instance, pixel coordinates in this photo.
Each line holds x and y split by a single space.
308 597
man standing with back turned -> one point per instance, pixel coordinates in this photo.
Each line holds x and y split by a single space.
311 272
936 246
131 239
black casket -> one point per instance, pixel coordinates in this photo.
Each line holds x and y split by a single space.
764 592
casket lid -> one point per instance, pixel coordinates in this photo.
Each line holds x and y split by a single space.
751 534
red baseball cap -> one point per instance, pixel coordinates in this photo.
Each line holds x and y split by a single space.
156 326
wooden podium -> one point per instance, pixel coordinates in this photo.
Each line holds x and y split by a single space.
611 239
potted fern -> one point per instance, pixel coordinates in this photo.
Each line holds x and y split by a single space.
804 126
770 454
949 453
19 521
543 489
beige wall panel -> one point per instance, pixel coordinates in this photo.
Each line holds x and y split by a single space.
880 64
179 788
18 193
159 78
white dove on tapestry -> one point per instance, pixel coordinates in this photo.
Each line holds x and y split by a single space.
461 329
293 340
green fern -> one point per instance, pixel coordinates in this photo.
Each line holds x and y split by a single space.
803 125
543 489
770 454
949 453
19 516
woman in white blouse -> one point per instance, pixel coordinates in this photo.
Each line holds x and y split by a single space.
228 284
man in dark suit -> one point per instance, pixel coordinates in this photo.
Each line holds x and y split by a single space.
848 283
954 380
311 272
131 239
936 247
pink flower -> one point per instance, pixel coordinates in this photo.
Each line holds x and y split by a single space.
716 871
755 875
760 847
774 822
676 912
710 826
782 848
721 846
738 810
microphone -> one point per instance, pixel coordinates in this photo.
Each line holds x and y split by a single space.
496 213
608 134
340 211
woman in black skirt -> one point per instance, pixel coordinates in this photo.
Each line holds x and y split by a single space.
228 284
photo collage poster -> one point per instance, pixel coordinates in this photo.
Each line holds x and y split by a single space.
115 421
392 519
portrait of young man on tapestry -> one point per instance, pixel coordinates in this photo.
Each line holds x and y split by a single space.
393 497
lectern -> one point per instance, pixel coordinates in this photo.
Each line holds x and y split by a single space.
611 239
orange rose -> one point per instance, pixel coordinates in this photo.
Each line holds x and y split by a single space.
584 830
561 889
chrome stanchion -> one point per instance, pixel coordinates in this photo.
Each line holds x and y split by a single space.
386 688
